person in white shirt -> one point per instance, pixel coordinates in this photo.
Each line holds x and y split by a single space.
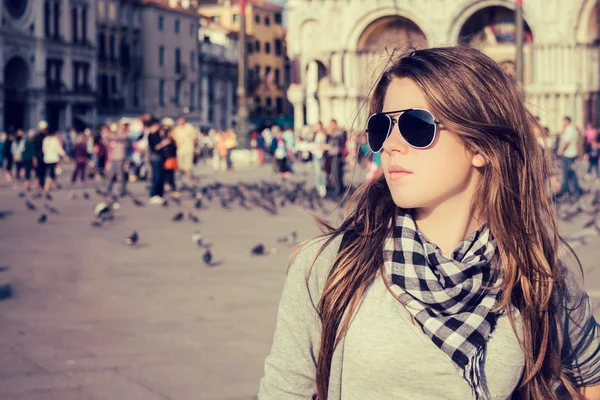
185 137
53 152
568 151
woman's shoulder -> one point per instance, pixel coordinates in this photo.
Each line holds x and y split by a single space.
313 261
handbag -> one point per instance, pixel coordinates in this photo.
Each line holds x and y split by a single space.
171 164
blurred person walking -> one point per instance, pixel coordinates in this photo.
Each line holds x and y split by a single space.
53 152
336 140
318 158
118 143
81 157
568 152
38 160
230 144
155 145
18 145
27 158
185 139
8 156
171 160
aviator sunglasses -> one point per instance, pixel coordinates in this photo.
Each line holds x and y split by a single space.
417 126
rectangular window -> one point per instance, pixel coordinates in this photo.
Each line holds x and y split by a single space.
216 18
177 60
161 56
257 19
258 46
277 76
75 67
74 25
278 47
177 93
267 48
102 46
112 50
84 15
56 20
279 105
267 21
177 26
47 19
236 18
257 71
161 22
113 84
249 50
192 96
267 71
161 93
269 103
278 20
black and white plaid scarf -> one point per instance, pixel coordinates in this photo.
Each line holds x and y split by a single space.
449 297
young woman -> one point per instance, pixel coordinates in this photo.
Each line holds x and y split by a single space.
448 283
28 157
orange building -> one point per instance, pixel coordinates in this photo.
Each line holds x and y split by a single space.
266 50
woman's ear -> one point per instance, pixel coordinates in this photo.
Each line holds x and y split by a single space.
478 160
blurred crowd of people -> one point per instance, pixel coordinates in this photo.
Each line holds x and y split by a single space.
165 151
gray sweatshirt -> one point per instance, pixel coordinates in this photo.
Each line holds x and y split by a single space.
385 356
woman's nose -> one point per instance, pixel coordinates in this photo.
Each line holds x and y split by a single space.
395 142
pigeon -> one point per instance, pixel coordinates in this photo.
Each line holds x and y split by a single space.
132 239
290 239
176 200
198 204
30 205
86 195
96 224
137 202
178 217
22 195
52 210
197 238
38 195
42 219
207 257
101 208
258 250
73 196
193 217
4 214
590 223
48 197
165 203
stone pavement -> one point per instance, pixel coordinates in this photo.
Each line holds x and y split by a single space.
94 319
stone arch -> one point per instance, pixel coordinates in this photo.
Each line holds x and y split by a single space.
372 20
491 26
587 22
17 76
391 32
309 34
16 73
16 9
470 8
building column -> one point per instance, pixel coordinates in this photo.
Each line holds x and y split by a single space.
295 95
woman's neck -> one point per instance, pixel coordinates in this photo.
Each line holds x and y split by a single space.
447 224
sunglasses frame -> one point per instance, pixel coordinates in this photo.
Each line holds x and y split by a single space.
393 121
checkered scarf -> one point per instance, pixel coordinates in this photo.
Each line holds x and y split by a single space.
447 296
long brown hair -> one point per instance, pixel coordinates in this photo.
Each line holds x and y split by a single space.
472 96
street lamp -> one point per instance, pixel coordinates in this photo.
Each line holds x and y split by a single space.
242 112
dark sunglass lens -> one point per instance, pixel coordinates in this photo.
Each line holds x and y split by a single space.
378 127
417 127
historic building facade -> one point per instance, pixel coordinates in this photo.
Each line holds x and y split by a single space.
217 75
170 65
265 49
48 60
338 48
119 53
